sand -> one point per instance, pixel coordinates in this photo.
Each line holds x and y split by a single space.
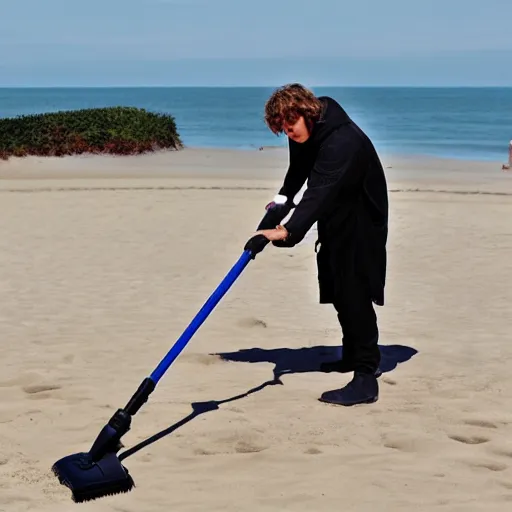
104 262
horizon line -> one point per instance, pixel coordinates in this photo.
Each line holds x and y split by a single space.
265 86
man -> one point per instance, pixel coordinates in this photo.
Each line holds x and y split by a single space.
346 196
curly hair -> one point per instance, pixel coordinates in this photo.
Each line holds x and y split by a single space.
288 103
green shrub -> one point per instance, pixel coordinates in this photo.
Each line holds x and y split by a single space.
117 131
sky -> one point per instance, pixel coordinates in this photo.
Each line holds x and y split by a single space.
257 42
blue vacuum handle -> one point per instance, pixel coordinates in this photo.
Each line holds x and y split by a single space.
275 213
201 316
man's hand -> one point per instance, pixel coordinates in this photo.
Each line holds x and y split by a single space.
274 235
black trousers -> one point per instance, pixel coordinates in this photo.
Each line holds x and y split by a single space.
358 321
349 293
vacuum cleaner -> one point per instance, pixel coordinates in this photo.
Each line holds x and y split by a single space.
100 472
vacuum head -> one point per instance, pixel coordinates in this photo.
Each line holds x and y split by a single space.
89 480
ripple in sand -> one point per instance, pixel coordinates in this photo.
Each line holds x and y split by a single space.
502 452
470 439
491 466
481 423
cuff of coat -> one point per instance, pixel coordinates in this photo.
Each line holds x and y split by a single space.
293 238
283 243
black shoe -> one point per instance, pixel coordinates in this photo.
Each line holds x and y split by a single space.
342 366
362 389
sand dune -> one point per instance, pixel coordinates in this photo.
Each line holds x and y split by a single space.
100 275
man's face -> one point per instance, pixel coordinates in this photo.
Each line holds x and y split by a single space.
298 131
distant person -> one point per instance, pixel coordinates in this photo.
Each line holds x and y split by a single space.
347 196
508 166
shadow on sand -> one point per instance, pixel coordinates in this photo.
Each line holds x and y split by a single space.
308 359
286 361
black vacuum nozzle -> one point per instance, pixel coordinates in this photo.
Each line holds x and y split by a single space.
88 479
99 472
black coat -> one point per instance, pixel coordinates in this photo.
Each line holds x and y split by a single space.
347 196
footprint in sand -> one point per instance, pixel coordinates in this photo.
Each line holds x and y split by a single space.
469 439
249 323
40 391
40 388
405 444
203 451
248 447
313 451
232 444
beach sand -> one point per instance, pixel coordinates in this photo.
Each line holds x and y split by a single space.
105 261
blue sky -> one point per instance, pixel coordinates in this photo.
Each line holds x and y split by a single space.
258 42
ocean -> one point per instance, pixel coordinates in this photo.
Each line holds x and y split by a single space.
463 123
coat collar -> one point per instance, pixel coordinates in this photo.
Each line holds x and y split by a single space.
332 117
